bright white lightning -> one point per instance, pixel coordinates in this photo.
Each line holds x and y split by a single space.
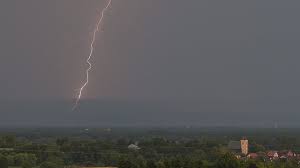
96 30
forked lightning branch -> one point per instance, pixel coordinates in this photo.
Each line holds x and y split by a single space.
88 61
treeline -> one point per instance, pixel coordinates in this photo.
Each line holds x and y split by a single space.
135 160
227 160
156 151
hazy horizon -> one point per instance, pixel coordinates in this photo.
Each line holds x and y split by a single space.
110 113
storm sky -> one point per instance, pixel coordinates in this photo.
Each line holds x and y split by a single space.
227 57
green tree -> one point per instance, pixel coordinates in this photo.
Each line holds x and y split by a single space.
27 164
25 159
59 162
3 162
124 162
176 162
9 141
196 163
228 161
151 164
49 165
11 160
161 164
257 148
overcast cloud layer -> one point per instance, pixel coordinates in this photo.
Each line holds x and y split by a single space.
218 61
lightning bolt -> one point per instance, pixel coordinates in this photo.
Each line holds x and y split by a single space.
96 30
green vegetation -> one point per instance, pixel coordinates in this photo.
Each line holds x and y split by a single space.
159 148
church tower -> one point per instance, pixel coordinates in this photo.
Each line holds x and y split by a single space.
244 146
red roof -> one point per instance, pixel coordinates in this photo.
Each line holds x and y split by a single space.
272 153
252 155
286 153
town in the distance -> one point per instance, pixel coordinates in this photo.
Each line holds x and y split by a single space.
241 151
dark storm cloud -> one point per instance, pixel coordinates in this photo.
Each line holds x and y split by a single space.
210 58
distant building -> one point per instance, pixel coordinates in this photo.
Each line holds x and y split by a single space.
252 156
239 146
286 154
133 147
272 155
244 146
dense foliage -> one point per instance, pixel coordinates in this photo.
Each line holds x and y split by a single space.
159 148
